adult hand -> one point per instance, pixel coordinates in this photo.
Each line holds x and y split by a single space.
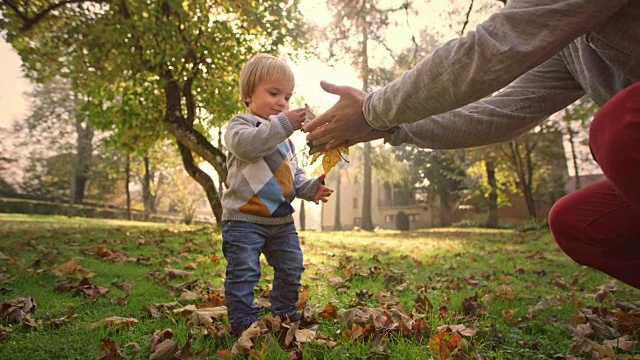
373 134
343 122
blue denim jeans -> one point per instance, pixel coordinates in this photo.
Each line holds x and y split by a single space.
242 243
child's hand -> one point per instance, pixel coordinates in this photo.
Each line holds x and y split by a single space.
323 192
296 117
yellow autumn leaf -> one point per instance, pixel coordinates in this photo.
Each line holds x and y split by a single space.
330 158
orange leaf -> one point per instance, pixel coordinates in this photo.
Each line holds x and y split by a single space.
330 312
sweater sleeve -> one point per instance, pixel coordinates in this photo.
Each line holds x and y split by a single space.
515 110
305 187
251 140
519 37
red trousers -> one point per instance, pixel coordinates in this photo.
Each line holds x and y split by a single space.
599 225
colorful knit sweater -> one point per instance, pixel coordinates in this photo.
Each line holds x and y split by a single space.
264 176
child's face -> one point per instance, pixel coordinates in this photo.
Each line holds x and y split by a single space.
270 97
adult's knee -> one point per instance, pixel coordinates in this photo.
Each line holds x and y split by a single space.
616 126
560 224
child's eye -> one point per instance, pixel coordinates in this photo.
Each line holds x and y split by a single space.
287 98
273 93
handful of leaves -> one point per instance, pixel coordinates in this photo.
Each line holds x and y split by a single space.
330 158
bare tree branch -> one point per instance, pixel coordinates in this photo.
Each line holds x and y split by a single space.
466 19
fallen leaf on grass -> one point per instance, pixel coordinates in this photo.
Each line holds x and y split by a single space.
173 273
188 296
448 344
18 310
62 320
109 350
423 304
624 343
86 288
329 312
443 344
245 343
204 316
165 350
305 335
605 290
72 269
114 321
303 297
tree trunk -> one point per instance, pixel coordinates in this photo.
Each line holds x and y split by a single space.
204 180
492 220
82 160
127 177
367 186
574 155
445 208
367 221
523 179
147 197
220 181
191 140
337 223
303 220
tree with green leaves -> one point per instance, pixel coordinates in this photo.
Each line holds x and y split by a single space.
538 162
153 69
576 120
355 24
56 126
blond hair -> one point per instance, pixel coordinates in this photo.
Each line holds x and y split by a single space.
259 68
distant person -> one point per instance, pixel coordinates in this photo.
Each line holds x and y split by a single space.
264 178
540 57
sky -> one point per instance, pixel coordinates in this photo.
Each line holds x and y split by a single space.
13 104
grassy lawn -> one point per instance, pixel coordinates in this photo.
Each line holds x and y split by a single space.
439 293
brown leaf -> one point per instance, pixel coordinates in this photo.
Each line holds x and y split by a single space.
329 312
442 345
601 328
303 297
471 306
215 299
173 273
291 334
115 321
186 354
245 343
109 350
158 337
165 350
355 332
624 343
423 304
16 311
60 321
305 335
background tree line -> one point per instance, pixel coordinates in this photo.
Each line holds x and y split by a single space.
137 92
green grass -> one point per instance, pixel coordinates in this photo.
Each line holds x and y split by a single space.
509 271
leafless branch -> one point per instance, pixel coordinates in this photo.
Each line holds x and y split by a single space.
466 19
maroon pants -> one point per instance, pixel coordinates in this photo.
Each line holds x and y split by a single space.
599 225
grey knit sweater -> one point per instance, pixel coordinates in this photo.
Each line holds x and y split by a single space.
526 62
264 176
